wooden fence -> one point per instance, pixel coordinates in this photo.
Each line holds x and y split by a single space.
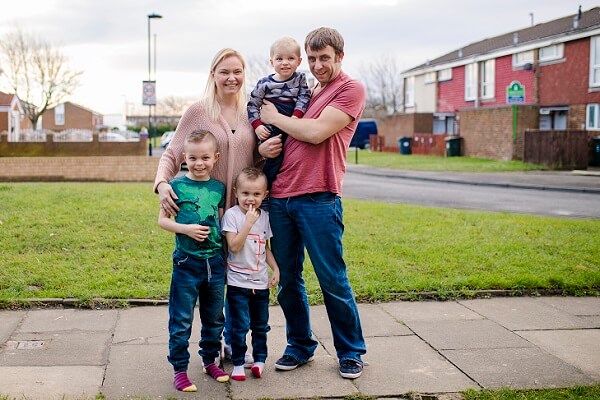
557 149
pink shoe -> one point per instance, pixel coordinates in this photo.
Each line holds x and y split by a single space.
257 371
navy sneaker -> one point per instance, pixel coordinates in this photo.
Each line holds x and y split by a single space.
350 369
288 363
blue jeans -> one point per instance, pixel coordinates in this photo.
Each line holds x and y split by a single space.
195 280
248 310
314 221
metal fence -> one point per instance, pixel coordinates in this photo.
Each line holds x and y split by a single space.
76 135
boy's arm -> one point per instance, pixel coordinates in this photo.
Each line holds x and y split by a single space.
303 97
236 240
195 231
274 281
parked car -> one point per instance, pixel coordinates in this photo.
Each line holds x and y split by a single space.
364 129
165 139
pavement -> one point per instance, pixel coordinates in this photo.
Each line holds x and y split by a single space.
586 181
427 349
430 349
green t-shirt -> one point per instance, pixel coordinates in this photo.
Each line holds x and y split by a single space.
199 203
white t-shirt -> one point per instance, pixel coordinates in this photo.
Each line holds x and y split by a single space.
248 267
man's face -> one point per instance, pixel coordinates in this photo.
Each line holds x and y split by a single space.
324 64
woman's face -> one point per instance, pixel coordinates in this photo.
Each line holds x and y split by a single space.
229 76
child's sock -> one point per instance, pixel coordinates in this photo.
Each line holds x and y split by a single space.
257 369
238 374
182 382
217 373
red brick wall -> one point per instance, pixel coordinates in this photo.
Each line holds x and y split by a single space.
488 132
109 169
505 75
393 127
567 82
451 94
75 118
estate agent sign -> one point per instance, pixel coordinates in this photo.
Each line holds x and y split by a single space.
515 93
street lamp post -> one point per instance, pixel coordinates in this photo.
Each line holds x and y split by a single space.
150 17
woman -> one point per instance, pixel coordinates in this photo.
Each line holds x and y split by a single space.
222 111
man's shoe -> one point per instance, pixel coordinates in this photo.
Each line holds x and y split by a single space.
288 363
350 369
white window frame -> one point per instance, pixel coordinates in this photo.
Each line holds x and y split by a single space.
595 61
471 82
444 75
409 91
552 52
593 123
522 58
430 77
488 78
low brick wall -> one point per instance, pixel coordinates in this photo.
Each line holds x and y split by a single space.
89 168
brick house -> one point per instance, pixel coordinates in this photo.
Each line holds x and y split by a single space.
12 116
70 116
544 77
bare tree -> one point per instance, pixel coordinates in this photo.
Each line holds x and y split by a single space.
384 86
36 72
256 68
173 105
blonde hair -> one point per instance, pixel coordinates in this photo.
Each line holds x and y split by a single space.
210 92
286 43
251 174
200 136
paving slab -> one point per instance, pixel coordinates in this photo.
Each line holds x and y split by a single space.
51 383
68 319
466 334
525 313
143 371
374 320
139 325
580 348
56 348
518 368
575 305
9 320
428 311
402 364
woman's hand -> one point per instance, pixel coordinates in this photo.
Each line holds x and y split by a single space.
271 148
166 198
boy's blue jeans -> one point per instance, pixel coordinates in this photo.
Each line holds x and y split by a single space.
248 310
314 221
195 280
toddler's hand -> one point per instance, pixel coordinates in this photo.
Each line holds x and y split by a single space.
262 132
274 281
252 215
197 232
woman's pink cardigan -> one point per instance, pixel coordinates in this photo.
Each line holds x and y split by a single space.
238 149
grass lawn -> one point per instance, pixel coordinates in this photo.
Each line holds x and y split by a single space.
434 163
573 393
90 240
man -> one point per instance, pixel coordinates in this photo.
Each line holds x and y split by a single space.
305 206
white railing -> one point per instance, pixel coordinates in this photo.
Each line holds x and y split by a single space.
73 135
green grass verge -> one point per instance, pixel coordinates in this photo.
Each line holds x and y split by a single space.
573 393
101 240
434 163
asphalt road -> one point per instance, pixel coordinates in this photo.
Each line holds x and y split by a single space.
465 196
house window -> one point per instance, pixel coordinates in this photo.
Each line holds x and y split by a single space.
443 124
592 119
522 58
470 82
430 77
595 61
553 52
553 118
444 75
488 74
409 92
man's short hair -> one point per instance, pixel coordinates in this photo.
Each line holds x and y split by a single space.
323 37
286 43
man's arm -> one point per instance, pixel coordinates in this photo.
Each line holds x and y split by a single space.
309 130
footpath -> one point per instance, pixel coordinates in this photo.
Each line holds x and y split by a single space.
427 349
430 349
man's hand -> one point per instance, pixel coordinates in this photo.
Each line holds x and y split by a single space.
262 132
271 148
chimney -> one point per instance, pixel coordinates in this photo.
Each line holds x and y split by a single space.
459 53
516 38
576 19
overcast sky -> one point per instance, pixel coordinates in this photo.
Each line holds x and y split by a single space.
108 39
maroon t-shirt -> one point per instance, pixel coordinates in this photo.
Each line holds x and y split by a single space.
312 168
